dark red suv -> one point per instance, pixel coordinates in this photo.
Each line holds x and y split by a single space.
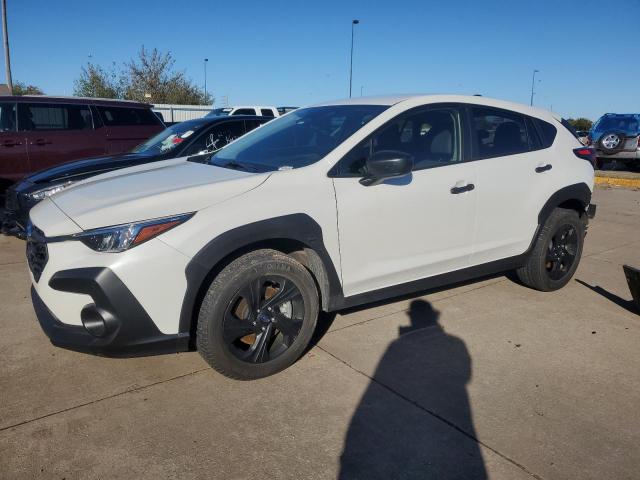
38 132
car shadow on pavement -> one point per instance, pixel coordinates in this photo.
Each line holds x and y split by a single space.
621 302
414 420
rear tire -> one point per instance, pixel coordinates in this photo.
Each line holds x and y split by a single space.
556 252
258 316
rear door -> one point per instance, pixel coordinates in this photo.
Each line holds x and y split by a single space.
57 133
515 178
13 146
127 127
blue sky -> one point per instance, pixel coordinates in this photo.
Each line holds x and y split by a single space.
297 52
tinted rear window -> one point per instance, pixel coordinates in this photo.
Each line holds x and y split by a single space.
49 116
498 132
127 116
547 132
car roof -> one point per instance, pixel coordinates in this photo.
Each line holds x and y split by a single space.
68 99
389 100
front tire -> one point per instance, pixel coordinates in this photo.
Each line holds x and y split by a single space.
556 252
258 315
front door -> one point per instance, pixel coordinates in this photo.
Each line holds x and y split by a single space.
13 147
413 227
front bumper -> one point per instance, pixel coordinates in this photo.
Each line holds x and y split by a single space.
114 324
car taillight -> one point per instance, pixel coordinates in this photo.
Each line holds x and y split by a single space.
586 153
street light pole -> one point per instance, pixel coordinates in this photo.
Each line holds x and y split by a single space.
353 23
533 81
5 38
205 78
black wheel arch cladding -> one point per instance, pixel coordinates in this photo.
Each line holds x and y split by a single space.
298 227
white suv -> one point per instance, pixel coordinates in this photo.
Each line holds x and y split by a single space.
328 207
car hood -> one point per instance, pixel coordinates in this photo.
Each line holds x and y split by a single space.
153 190
79 169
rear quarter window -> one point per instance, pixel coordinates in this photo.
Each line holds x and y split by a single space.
127 116
547 132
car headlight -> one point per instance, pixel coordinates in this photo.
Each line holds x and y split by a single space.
39 195
123 237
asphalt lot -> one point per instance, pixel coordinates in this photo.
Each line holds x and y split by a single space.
484 380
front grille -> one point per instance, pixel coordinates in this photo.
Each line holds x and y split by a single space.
37 253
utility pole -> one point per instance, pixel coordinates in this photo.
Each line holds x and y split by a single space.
5 38
205 78
533 81
353 23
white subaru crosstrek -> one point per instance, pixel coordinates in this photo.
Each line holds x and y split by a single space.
331 206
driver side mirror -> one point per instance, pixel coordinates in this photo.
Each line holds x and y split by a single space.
386 164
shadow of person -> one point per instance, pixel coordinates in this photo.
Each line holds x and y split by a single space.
414 420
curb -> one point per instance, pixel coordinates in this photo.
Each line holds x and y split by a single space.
618 182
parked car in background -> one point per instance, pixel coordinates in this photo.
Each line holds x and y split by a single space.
193 137
325 208
260 110
583 136
38 132
616 136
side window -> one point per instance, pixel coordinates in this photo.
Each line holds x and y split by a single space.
430 137
216 137
498 132
45 116
127 116
547 131
266 112
7 117
244 111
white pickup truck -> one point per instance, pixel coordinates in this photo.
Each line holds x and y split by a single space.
259 110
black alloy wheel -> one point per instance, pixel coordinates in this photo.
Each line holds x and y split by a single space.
561 252
263 319
258 315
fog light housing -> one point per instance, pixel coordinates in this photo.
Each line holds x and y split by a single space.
97 322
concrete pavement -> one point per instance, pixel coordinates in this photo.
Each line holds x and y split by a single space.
483 380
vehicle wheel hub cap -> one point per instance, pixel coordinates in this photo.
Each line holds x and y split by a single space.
610 141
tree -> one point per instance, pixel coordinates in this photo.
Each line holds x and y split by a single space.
96 81
580 123
148 78
151 78
21 88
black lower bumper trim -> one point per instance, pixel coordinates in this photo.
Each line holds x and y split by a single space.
128 330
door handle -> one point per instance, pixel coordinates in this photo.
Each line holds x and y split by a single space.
543 168
41 141
11 143
465 188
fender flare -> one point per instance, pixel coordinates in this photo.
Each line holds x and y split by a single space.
297 227
578 191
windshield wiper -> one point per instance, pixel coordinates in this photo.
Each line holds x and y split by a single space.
235 166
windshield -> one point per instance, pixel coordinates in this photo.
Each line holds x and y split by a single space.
170 139
219 112
627 124
296 140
